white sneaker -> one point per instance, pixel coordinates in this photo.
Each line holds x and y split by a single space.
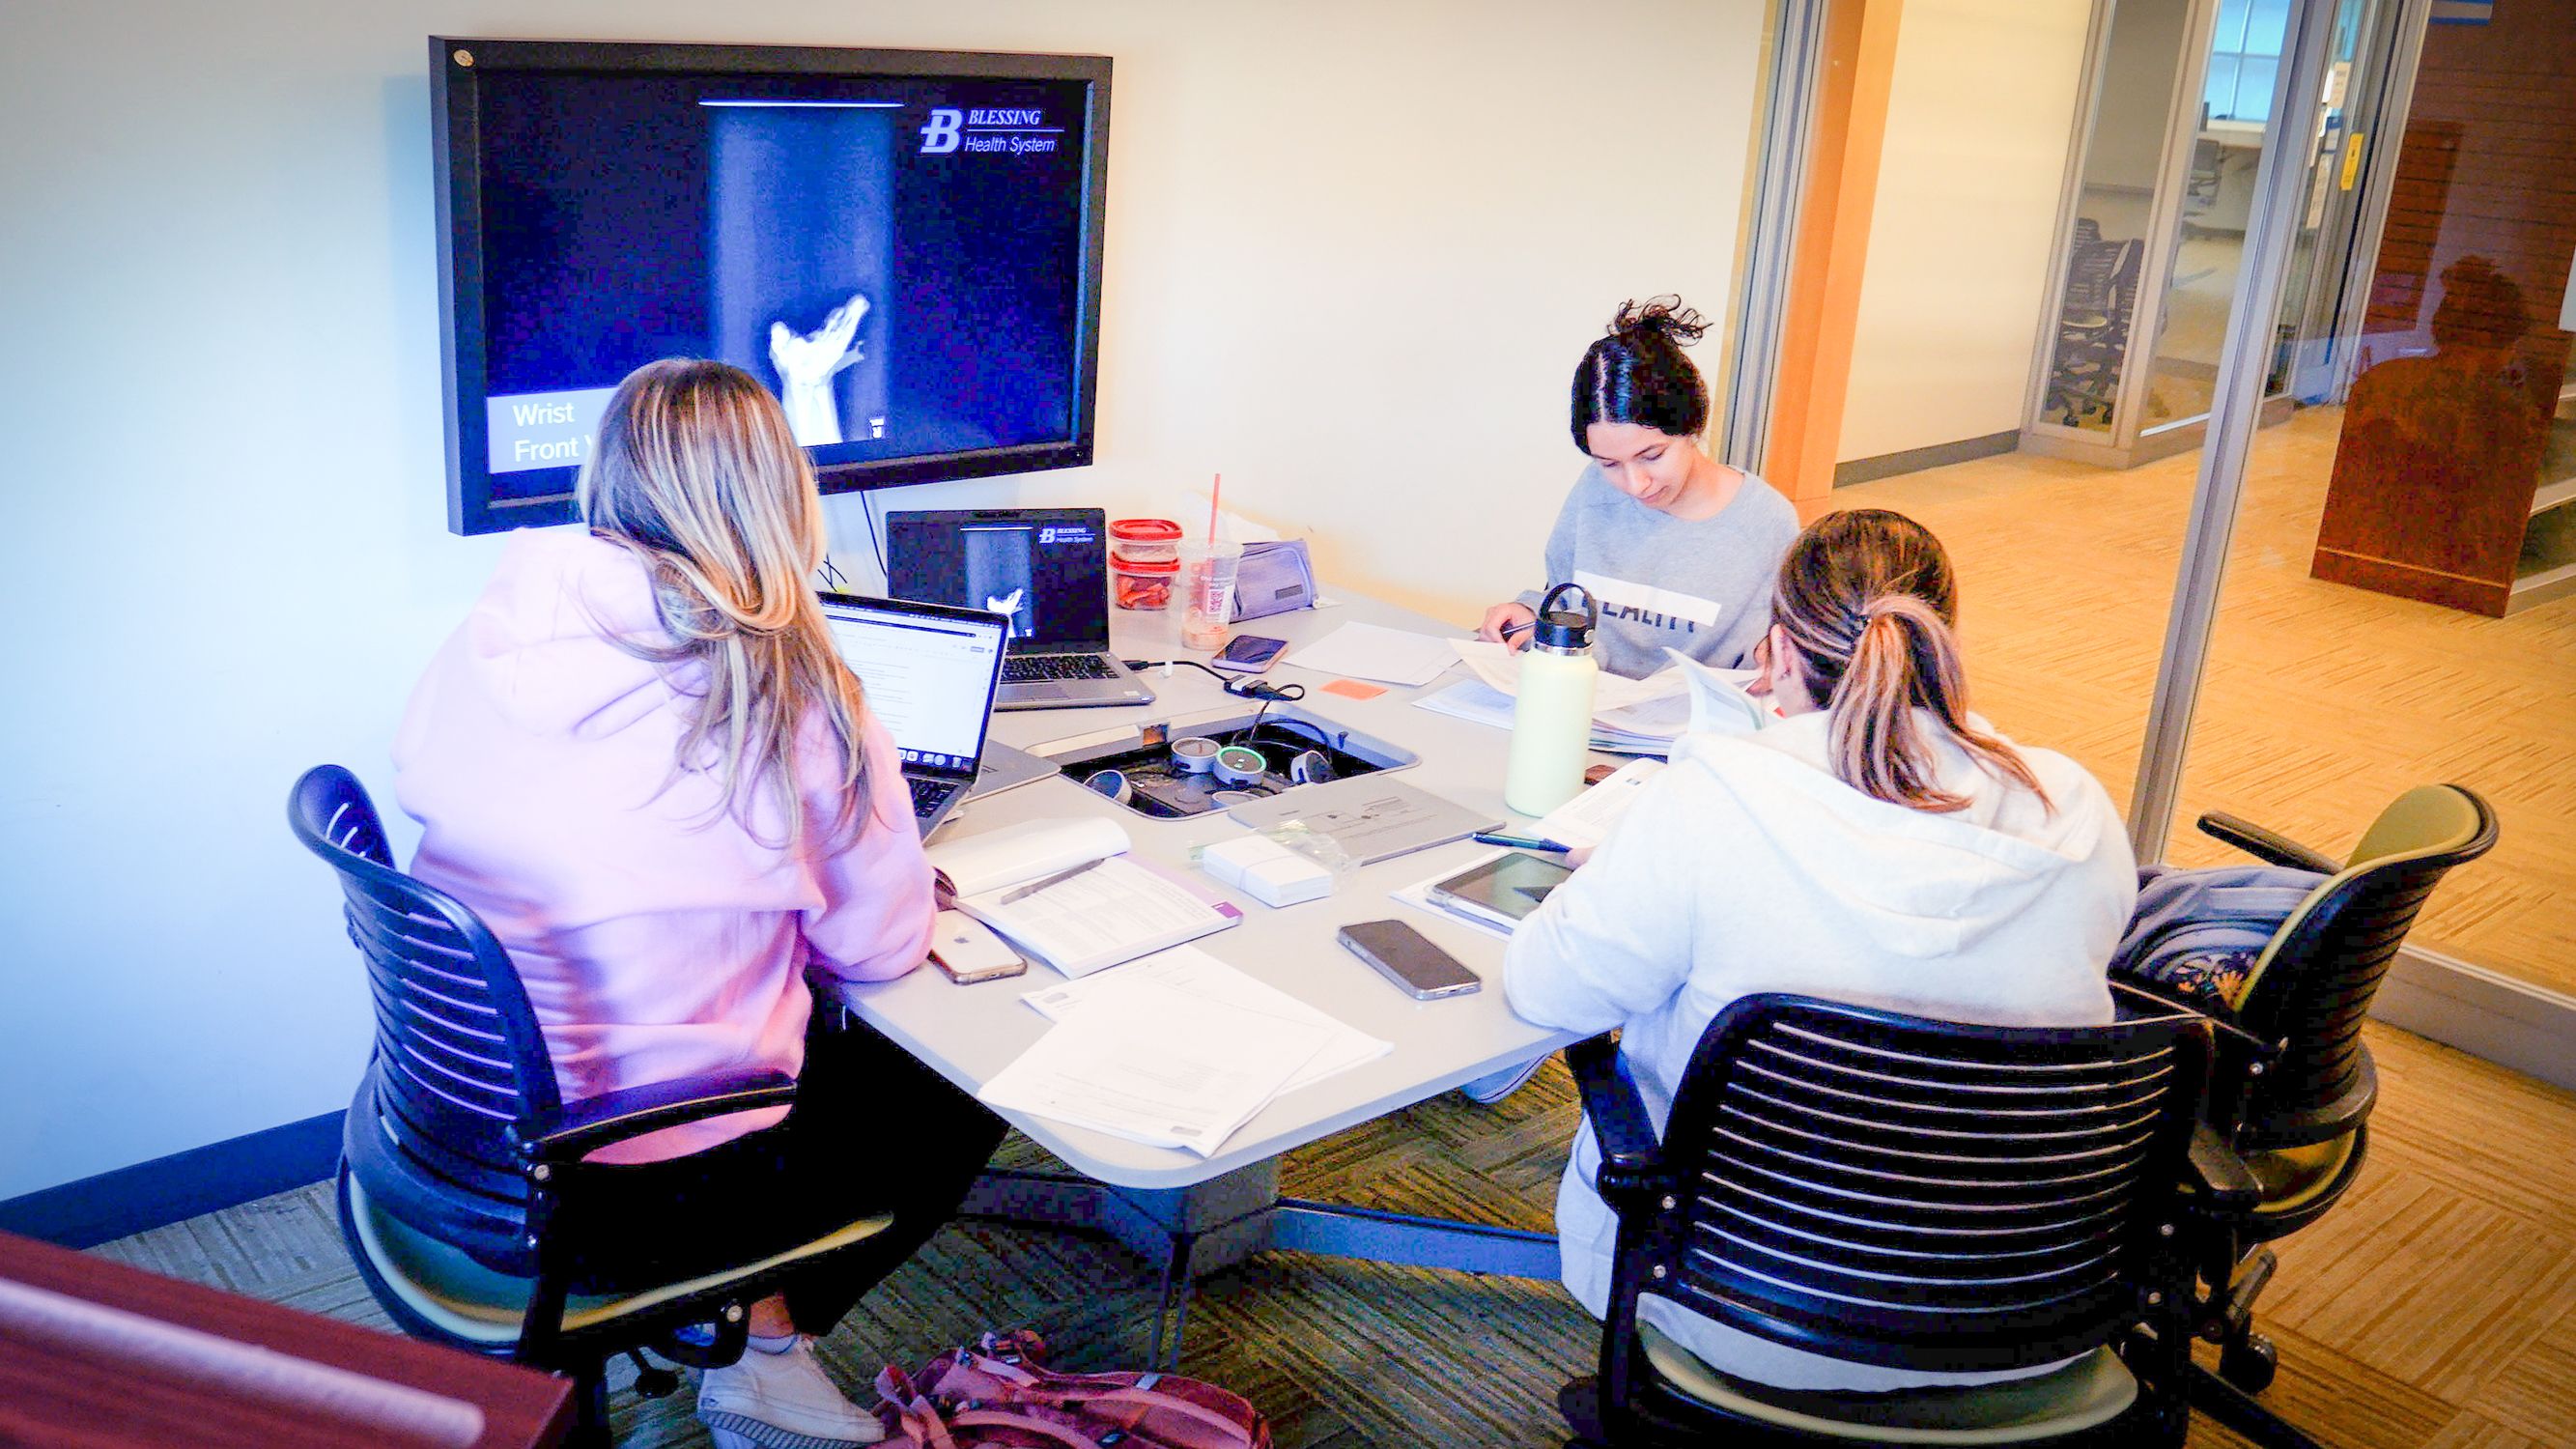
780 1401
1495 1086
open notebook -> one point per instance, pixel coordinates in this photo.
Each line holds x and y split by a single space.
1068 893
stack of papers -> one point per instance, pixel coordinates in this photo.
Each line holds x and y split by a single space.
1176 1050
1369 651
1629 716
1474 699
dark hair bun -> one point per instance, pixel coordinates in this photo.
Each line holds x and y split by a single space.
1663 317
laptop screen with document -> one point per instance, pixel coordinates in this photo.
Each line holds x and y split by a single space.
929 674
1048 568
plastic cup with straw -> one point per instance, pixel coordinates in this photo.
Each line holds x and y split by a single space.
1207 574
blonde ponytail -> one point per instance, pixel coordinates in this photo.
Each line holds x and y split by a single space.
1867 599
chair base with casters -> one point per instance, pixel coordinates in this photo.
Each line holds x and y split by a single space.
434 1291
2092 1403
2293 1085
458 1151
1895 1191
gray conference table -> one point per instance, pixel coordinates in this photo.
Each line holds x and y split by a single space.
1197 1214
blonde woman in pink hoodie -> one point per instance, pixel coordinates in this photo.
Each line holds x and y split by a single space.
642 763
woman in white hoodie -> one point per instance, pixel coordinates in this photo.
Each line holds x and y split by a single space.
1878 845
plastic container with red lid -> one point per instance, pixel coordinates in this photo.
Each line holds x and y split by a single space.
1141 583
1144 540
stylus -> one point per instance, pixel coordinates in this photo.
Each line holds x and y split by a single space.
1057 879
1519 842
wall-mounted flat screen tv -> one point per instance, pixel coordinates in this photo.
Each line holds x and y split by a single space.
904 245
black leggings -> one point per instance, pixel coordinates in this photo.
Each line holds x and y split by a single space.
872 1131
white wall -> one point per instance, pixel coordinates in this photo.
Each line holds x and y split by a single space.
1979 118
1354 252
2141 66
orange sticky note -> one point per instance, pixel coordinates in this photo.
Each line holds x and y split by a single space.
1353 689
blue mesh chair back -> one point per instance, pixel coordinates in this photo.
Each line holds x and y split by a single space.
458 1062
1915 1193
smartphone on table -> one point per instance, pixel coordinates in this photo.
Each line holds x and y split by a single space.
1248 654
968 951
1410 959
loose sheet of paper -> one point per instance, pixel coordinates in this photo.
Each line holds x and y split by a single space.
1718 701
1499 665
1371 651
1155 1064
1470 699
1187 968
1586 819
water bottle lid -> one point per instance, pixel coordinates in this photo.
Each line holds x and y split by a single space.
1564 630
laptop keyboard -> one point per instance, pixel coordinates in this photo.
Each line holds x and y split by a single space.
928 795
1033 668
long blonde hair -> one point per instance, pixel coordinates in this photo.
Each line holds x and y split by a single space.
1870 604
696 472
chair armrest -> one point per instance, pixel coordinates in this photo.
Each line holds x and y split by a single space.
2219 1175
1631 1158
581 1128
2136 1002
2267 845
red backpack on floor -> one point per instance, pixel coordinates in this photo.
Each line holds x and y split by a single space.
996 1394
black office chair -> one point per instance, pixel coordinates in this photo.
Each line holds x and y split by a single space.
1913 1194
458 1151
2293 1085
2093 324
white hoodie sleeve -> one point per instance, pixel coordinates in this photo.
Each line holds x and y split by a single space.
1615 941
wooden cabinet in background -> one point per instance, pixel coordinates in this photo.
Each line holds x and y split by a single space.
2455 477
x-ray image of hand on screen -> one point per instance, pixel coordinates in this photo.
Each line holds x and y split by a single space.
999 571
800 214
806 366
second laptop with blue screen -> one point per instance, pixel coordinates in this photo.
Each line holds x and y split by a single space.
1048 570
930 673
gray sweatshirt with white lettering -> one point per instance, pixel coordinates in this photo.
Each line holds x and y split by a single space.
1702 587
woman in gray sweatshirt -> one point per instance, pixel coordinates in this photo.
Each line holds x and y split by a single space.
1679 549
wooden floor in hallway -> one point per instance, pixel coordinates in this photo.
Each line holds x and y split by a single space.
2321 702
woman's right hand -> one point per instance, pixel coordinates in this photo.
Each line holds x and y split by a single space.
1508 624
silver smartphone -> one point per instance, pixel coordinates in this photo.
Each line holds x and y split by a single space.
1408 958
968 951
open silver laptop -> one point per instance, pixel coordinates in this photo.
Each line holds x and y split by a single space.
1048 569
930 674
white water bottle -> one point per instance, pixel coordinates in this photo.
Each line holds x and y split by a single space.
1552 715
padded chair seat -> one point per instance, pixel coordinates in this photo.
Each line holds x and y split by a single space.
482 1306
2093 1390
2292 1177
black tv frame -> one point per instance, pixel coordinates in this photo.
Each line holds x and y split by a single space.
457 63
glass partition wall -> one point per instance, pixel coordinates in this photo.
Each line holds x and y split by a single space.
2422 238
2399 606
2177 111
